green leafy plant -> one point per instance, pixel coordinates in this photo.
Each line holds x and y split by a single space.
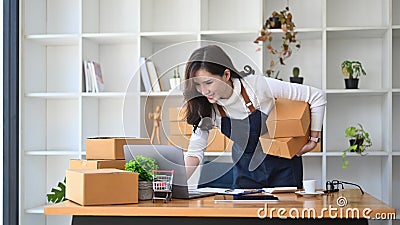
296 71
352 69
359 141
57 194
143 166
283 20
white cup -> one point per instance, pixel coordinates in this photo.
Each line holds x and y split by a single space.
309 186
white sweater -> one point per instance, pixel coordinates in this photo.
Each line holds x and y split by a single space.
262 92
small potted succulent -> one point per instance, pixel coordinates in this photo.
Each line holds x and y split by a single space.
279 20
352 70
143 166
271 71
359 141
175 81
296 76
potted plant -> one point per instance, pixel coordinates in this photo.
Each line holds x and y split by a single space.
359 140
175 81
352 70
143 166
281 20
296 76
57 193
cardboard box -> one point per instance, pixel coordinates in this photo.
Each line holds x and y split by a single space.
180 128
216 141
177 114
288 119
79 164
317 148
110 147
228 144
181 141
102 187
282 147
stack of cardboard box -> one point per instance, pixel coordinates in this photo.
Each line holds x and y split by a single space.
288 127
180 133
101 178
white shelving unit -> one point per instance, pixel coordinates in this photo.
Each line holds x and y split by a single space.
56 117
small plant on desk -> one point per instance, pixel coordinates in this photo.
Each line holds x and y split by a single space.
144 166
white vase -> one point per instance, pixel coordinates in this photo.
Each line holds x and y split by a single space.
175 83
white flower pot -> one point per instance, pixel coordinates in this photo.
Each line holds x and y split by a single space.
175 83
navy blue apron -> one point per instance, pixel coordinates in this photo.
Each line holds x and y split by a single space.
252 167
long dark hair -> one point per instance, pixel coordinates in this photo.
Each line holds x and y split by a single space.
215 61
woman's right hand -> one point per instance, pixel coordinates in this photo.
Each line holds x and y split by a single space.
306 148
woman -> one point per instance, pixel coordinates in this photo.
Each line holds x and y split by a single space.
238 104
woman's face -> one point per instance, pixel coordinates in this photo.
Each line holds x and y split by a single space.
212 86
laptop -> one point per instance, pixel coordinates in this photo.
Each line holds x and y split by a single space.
168 158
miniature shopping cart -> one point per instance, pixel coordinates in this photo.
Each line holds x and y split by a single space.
162 184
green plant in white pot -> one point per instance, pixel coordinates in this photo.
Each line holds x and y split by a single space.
143 166
352 70
175 81
359 141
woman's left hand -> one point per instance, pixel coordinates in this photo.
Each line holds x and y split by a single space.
307 147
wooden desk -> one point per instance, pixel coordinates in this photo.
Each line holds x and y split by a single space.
206 208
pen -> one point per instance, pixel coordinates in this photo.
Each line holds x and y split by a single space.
232 191
251 192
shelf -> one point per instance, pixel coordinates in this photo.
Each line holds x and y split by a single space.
106 94
161 37
161 94
368 153
54 39
303 33
111 38
357 92
36 210
53 95
52 152
396 90
396 153
352 32
229 36
312 154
